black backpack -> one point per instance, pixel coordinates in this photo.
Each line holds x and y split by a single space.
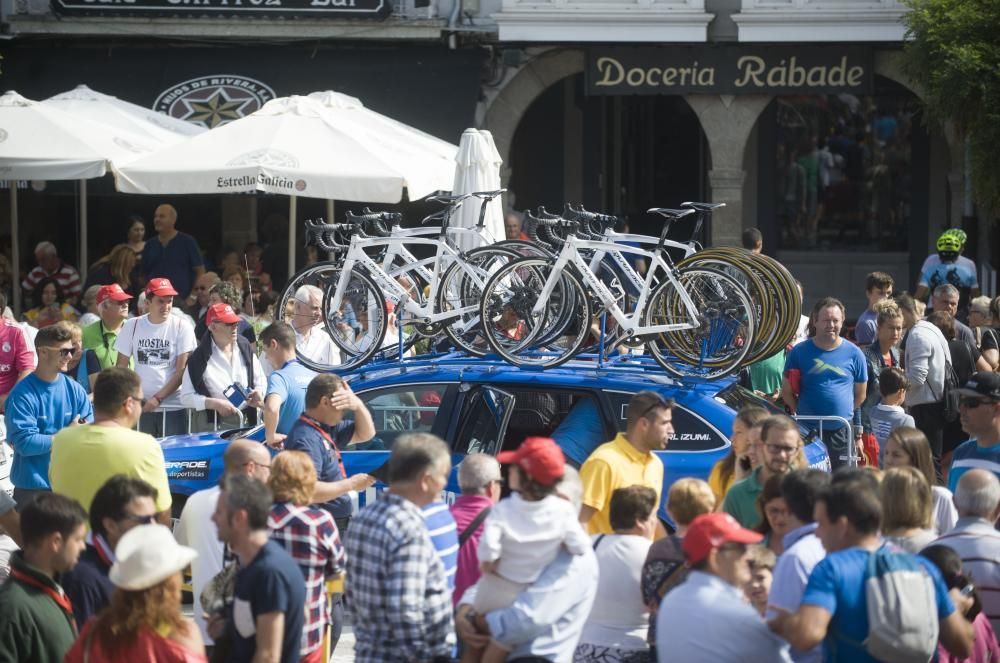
949 395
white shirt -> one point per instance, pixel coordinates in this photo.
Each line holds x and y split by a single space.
978 544
945 514
319 347
803 551
219 374
619 619
196 529
526 536
154 349
706 620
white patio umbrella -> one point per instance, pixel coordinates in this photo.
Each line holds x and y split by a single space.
40 142
478 169
156 128
325 146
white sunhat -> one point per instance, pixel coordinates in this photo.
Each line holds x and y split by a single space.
146 556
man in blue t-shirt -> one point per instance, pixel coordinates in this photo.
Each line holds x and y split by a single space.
321 431
581 431
38 407
826 376
285 398
172 254
267 611
980 415
833 608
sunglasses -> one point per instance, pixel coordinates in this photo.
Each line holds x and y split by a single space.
973 403
142 520
661 403
64 352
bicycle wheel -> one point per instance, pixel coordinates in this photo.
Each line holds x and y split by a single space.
717 328
359 321
461 290
522 337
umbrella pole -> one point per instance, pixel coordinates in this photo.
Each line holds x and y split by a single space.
292 203
83 229
15 252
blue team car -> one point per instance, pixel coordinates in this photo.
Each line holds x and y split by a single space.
481 405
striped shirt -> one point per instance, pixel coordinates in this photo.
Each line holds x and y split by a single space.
444 535
969 456
66 276
978 544
310 536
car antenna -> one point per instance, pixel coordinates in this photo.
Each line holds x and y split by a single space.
246 263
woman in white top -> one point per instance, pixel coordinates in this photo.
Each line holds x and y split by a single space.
222 359
908 447
617 625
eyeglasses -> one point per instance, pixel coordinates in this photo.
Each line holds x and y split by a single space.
777 449
973 403
661 403
142 520
253 462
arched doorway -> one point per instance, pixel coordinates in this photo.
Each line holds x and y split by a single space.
616 154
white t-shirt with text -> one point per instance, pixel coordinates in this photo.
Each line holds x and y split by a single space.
154 350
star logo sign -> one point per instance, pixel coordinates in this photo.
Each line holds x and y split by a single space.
217 109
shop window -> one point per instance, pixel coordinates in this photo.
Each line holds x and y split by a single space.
843 169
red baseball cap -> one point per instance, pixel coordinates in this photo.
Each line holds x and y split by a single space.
538 457
160 288
221 313
113 291
709 531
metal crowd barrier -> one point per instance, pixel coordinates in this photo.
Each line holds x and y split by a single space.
852 451
189 413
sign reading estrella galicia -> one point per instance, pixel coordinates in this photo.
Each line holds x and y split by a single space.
314 8
729 70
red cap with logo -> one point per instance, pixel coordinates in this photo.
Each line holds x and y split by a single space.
221 313
538 457
160 288
113 291
710 531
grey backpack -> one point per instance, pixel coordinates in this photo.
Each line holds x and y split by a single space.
902 609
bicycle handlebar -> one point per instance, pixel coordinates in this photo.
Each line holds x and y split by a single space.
323 235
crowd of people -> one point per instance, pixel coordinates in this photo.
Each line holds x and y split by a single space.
768 560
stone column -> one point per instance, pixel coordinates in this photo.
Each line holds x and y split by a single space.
727 223
727 122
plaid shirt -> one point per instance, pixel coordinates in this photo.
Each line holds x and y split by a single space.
396 588
310 536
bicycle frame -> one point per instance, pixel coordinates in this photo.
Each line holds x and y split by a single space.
629 322
623 262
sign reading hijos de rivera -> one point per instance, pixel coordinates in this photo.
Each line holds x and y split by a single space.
729 70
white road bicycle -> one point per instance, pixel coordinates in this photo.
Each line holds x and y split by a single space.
697 321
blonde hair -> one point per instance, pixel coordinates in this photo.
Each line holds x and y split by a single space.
689 498
906 499
293 478
761 557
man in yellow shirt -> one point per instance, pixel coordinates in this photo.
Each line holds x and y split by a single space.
627 460
84 457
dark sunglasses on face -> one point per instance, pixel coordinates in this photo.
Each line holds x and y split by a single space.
142 520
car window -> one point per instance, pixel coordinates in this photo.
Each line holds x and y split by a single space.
401 410
484 422
738 397
691 431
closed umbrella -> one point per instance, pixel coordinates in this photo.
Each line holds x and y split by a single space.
325 146
40 142
477 169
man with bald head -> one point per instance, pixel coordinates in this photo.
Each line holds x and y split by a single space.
172 254
975 538
196 529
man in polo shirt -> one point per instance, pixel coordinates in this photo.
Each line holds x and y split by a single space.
706 618
85 457
285 398
627 460
172 254
321 431
979 408
782 444
121 504
101 336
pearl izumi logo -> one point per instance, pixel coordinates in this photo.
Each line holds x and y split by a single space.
212 101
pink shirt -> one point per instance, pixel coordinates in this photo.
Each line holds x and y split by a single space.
15 355
464 511
985 648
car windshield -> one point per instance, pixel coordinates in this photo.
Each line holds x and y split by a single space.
738 397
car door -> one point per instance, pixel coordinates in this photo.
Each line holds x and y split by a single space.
483 422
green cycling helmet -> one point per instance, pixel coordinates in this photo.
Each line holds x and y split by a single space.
949 242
